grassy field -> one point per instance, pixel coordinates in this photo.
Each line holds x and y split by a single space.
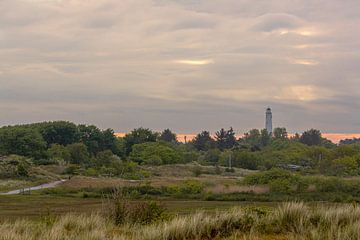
293 221
37 206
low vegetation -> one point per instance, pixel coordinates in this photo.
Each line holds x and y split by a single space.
289 221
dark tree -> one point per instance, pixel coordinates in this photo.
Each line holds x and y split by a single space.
97 140
225 139
349 141
265 138
59 132
280 133
168 136
22 141
109 141
311 137
137 136
295 138
252 139
78 153
203 141
91 136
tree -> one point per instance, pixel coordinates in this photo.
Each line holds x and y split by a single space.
346 166
252 139
265 138
225 139
349 141
168 136
203 141
245 159
280 133
78 153
311 137
138 136
60 132
105 158
97 140
22 141
91 136
57 151
108 141
155 153
212 156
120 147
295 138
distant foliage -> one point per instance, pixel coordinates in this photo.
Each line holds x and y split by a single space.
14 166
123 211
168 136
225 139
311 137
155 153
203 141
22 141
350 141
138 136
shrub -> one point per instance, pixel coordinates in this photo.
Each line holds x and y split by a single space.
155 153
346 166
123 211
196 171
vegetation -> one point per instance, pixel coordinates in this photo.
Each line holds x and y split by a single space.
288 221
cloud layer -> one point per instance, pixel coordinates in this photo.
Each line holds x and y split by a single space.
186 65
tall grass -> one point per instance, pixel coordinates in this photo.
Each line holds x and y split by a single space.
295 221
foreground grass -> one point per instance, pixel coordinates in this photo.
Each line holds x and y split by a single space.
35 207
290 221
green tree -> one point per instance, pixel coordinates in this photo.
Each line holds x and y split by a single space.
265 138
212 156
57 151
105 158
60 132
252 139
120 147
280 133
155 153
245 159
138 136
78 153
22 141
346 166
97 140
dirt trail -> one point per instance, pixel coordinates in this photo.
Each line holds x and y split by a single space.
43 186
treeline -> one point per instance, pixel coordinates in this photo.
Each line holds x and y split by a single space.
92 151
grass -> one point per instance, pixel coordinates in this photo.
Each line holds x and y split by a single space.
294 221
36 206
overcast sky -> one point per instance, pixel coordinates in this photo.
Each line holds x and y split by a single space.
187 65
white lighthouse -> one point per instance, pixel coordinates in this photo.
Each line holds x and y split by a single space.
268 123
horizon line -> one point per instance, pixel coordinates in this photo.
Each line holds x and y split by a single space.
334 137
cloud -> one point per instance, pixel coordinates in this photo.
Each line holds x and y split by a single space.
277 21
178 64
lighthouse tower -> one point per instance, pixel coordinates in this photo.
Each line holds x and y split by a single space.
268 123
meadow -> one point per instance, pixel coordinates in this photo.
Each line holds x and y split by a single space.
288 221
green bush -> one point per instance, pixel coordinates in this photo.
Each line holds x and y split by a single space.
123 211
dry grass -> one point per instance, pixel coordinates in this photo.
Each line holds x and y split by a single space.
294 221
224 189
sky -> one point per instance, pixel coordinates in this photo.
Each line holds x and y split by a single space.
187 65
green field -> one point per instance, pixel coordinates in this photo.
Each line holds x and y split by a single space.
37 206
